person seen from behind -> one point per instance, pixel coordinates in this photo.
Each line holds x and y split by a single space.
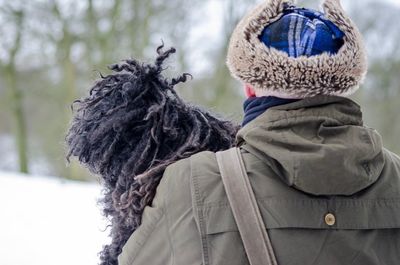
327 190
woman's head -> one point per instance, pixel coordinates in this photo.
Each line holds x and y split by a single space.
129 129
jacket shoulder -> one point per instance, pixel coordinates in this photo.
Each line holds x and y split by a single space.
177 175
204 160
177 181
388 184
392 158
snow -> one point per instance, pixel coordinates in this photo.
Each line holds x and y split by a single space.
46 220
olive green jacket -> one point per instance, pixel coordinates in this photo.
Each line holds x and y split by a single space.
329 194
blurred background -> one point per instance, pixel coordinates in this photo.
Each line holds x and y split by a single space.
52 51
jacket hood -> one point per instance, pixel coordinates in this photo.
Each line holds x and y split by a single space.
317 145
274 72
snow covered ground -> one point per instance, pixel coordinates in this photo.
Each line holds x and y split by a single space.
49 221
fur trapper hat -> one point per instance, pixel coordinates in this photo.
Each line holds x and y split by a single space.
274 73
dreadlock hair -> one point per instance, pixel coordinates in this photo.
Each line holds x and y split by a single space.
128 130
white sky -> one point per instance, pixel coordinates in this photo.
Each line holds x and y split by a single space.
397 2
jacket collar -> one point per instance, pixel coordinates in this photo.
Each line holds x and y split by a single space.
318 145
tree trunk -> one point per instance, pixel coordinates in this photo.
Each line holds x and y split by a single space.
19 118
16 97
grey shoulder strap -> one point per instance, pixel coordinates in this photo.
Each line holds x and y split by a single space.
245 209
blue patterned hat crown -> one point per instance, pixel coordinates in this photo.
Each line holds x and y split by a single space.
303 32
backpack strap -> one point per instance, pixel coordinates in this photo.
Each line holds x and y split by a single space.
245 209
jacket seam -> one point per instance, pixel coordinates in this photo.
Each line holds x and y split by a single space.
198 209
392 202
268 123
168 226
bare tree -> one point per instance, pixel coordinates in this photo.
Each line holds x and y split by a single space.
16 95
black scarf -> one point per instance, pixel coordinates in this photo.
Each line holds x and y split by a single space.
255 106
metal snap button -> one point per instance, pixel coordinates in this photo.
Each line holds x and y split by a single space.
330 219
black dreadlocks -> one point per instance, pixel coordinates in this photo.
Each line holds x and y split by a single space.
128 130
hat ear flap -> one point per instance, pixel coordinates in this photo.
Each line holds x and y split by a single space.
283 3
333 7
334 11
251 26
354 43
290 2
331 3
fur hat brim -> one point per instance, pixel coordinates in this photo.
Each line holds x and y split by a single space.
273 72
